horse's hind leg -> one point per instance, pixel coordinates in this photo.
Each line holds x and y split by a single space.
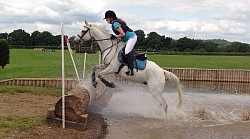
162 102
156 91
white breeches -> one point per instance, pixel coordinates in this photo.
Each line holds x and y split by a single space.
130 44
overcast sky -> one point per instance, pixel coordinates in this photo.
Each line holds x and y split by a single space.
198 19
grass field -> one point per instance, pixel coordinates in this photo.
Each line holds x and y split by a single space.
39 64
11 89
204 62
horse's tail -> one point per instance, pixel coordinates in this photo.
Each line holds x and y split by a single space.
176 82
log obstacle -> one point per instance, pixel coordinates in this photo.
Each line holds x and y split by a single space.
76 102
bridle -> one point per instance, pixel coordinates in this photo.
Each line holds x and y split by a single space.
84 32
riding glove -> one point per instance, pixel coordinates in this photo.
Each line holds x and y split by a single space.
112 37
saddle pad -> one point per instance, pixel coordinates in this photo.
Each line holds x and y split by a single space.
137 64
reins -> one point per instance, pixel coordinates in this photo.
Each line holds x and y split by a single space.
110 50
93 39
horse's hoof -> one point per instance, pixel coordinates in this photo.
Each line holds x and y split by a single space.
111 85
94 84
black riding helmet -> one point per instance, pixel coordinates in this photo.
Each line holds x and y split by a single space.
110 14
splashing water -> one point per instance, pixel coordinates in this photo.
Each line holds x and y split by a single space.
134 100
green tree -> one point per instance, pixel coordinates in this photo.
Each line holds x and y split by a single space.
4 52
19 37
167 42
174 45
56 40
4 36
186 43
140 38
208 46
35 38
238 47
154 41
45 38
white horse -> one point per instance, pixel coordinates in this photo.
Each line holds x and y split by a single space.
153 75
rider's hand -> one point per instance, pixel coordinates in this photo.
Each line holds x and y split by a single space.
112 37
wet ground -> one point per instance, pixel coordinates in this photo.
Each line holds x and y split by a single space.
132 113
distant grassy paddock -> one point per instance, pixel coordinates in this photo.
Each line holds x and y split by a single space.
203 62
39 64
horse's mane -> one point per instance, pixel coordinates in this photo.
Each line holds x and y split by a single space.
101 28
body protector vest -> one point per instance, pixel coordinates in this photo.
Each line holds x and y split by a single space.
125 28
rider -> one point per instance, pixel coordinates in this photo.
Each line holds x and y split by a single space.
127 35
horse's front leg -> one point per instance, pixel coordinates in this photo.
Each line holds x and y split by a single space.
106 71
107 83
93 79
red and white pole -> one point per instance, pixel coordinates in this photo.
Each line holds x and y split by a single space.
72 58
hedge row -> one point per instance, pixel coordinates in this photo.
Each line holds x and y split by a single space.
4 53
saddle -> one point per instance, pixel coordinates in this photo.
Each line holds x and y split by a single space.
140 60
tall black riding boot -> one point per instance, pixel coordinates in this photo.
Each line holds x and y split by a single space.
130 61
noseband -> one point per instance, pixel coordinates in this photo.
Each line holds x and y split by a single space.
84 33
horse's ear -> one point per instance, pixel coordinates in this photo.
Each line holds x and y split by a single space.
86 23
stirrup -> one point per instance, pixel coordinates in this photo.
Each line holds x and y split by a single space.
132 73
127 72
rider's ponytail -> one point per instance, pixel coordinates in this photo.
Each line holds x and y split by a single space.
121 21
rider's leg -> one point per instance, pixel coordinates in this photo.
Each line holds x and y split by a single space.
130 58
130 61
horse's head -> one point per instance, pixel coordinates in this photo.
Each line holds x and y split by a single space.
84 35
